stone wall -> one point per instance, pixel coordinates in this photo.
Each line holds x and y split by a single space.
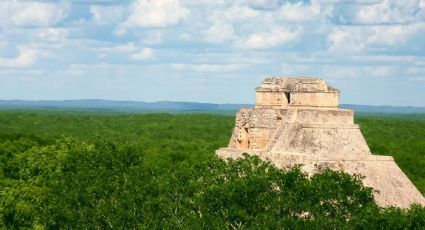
268 99
314 99
321 139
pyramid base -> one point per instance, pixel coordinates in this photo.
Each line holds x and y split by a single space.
390 184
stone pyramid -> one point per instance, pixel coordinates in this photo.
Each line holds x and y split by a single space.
298 121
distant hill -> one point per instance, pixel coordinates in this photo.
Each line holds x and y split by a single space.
120 105
169 106
383 109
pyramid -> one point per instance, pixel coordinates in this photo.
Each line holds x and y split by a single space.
297 121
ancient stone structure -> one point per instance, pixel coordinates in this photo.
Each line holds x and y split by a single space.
297 121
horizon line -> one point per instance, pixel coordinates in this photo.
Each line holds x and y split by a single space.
194 102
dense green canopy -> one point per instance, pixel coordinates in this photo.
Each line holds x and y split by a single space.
72 184
171 179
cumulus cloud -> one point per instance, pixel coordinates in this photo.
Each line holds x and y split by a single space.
299 12
344 71
20 13
247 23
204 3
356 39
381 71
185 36
144 54
275 37
52 34
219 32
343 40
237 12
152 38
26 58
107 14
385 12
262 4
221 23
154 14
394 35
121 48
208 67
291 69
389 12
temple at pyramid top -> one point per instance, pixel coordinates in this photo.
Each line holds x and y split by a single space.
279 92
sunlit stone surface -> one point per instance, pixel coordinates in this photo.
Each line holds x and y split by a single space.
298 121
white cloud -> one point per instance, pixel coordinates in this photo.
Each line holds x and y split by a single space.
376 13
107 14
52 34
124 48
381 71
221 22
75 70
264 4
388 35
3 44
41 14
416 73
275 37
144 54
219 32
239 13
394 35
208 67
387 12
419 79
299 12
291 69
26 58
154 14
342 71
392 59
153 38
185 36
204 3
384 38
343 40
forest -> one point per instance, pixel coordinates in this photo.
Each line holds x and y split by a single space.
94 170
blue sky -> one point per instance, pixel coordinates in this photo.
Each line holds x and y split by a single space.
210 50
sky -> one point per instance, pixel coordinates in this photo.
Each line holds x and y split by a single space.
214 51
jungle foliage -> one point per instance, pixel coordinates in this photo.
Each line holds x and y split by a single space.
129 171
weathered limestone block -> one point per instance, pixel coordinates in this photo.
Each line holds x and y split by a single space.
296 121
321 139
317 116
314 99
